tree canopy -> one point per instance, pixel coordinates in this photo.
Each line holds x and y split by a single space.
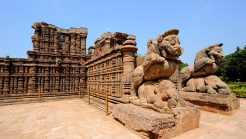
233 66
181 66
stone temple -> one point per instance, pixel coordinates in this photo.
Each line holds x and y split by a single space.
153 97
56 63
59 63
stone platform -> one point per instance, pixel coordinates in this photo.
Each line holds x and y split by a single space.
218 103
151 124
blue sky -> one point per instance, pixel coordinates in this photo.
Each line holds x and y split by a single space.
201 22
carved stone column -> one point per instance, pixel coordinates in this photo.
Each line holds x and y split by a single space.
55 42
67 43
78 44
129 50
51 41
32 80
46 39
83 44
6 87
35 41
46 80
72 46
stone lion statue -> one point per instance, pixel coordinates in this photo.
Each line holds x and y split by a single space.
160 96
160 61
150 80
200 77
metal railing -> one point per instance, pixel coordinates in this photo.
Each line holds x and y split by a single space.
99 98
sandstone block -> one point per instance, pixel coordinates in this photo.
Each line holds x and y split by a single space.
218 103
152 124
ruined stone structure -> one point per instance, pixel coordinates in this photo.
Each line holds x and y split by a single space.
111 64
59 64
56 63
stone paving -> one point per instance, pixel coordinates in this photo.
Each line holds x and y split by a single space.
76 119
217 126
68 119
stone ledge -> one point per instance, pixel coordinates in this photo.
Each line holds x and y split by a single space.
218 103
151 124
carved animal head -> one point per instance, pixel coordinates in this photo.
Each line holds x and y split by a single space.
169 44
215 52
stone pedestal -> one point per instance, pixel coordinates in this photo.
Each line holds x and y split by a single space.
218 103
151 124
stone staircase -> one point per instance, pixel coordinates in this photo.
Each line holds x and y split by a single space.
22 99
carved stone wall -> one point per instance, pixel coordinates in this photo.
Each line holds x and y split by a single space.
56 63
111 64
59 63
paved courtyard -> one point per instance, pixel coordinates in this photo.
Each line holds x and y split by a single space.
76 119
217 126
68 119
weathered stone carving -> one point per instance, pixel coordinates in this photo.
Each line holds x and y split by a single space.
49 67
200 77
66 44
150 80
35 42
213 94
161 59
154 125
152 90
111 64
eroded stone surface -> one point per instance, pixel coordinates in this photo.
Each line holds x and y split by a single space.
152 124
150 83
200 77
160 61
56 63
219 103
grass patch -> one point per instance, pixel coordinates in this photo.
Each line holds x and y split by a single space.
234 86
240 92
238 88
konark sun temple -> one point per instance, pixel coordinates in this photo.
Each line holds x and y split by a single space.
147 95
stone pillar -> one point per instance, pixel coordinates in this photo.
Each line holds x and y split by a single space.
78 44
46 80
6 87
45 33
67 44
55 43
72 46
20 85
128 67
83 44
51 41
32 83
35 42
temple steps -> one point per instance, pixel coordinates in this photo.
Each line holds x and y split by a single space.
11 100
99 101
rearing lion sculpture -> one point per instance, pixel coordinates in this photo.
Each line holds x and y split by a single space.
200 77
160 61
150 80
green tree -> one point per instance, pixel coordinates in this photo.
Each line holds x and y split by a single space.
233 67
181 66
